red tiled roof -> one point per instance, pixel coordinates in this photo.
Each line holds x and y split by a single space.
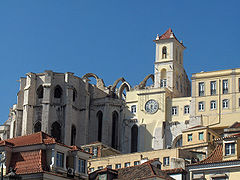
214 157
36 138
235 125
168 35
28 162
175 171
142 171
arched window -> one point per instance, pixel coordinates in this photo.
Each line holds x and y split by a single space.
40 92
56 131
134 138
57 92
163 82
99 117
164 52
73 135
37 127
74 94
115 130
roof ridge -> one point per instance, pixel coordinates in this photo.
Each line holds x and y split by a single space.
152 171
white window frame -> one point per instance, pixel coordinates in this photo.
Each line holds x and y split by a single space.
118 166
174 110
166 161
213 105
201 106
127 164
225 86
134 108
201 89
163 83
230 148
213 86
225 103
186 109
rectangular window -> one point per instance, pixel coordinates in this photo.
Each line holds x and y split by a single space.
91 170
100 167
60 159
225 86
174 110
239 102
127 164
229 148
213 137
213 86
186 109
109 166
201 88
209 136
136 163
225 103
201 106
117 166
189 137
200 136
82 166
95 151
163 83
134 108
166 161
213 105
87 149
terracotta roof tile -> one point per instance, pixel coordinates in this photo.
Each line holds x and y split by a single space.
28 162
214 157
235 125
142 171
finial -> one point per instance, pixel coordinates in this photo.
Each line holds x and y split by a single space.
181 41
157 38
171 35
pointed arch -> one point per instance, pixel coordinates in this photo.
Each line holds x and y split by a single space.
134 138
143 83
88 75
74 94
56 131
40 92
100 118
116 83
124 86
37 127
115 130
177 142
58 91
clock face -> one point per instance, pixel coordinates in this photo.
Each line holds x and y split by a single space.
151 106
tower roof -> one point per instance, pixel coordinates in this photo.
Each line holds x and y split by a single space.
167 35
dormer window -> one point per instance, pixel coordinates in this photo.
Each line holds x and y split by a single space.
229 149
164 52
60 159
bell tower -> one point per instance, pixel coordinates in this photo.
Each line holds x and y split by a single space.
168 69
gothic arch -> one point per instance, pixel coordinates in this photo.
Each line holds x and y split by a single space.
56 131
143 83
88 75
134 138
40 91
74 94
116 83
37 127
124 85
58 91
100 118
115 130
177 142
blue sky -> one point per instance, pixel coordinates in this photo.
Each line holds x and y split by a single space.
112 38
